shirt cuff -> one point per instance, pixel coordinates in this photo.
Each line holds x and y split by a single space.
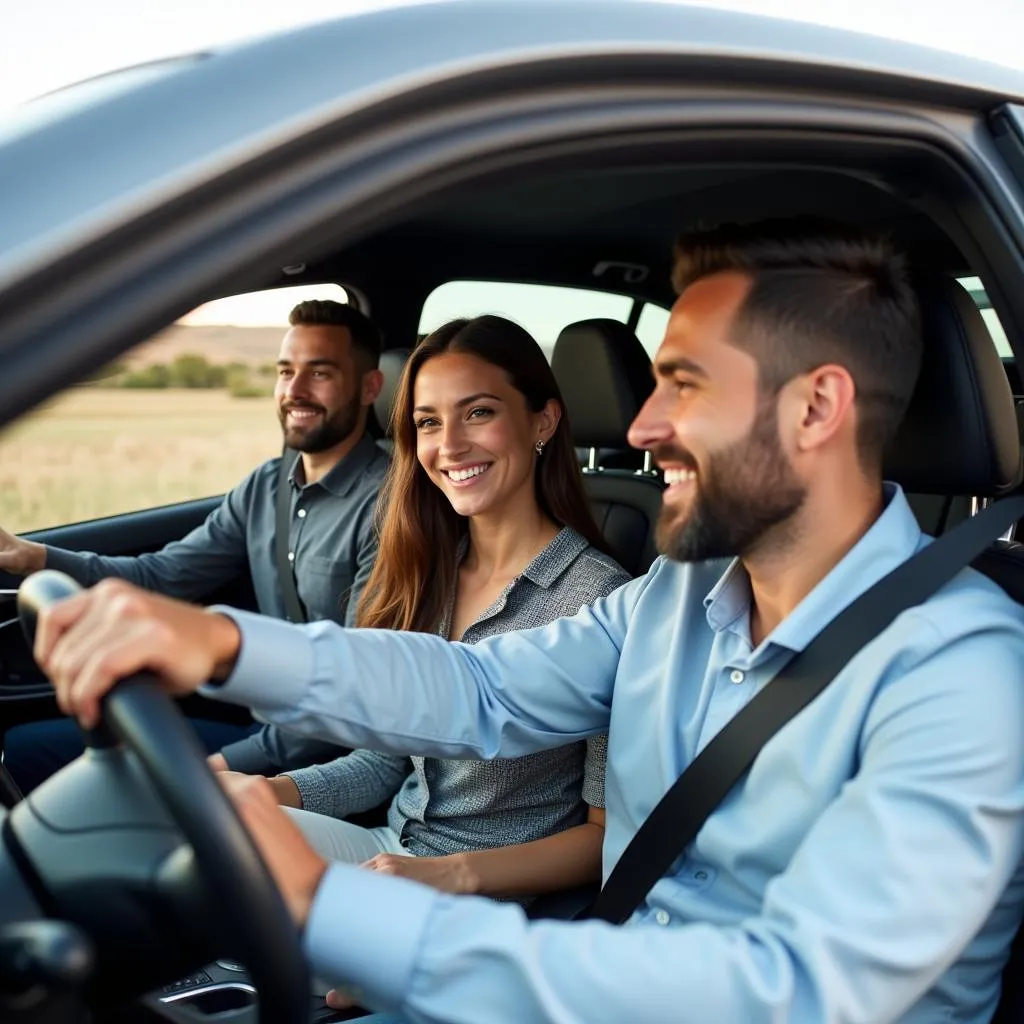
316 794
274 665
365 931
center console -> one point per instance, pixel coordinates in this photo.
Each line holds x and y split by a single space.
223 992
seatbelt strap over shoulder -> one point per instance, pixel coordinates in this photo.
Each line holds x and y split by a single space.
680 815
282 534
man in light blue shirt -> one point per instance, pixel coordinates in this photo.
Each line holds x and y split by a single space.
868 866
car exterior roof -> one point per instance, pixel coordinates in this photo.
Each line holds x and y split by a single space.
67 176
502 26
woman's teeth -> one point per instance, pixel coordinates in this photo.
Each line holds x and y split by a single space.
458 475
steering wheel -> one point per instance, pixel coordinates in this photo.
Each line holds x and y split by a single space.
167 897
9 792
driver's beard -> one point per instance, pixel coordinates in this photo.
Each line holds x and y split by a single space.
329 433
744 493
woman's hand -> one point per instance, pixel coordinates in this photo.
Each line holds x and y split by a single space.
451 873
96 638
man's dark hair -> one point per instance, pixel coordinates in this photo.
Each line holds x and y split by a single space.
820 294
366 337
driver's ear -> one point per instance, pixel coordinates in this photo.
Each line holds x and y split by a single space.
821 405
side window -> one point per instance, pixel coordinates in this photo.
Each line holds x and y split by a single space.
995 328
184 415
651 327
543 310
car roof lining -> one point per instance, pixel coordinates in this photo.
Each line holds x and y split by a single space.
555 226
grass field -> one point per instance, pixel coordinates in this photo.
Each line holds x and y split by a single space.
95 452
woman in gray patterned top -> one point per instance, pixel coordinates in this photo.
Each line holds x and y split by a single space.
485 528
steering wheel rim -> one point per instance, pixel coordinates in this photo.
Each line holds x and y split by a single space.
10 794
146 720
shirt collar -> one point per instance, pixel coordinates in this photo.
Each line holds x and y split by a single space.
565 546
545 569
340 479
890 541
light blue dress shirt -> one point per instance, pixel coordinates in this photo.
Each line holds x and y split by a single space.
867 869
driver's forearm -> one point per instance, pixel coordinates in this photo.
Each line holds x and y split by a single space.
415 693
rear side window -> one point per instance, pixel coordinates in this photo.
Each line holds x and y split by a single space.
995 328
650 329
543 310
186 414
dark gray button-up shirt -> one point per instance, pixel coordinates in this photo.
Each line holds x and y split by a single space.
447 806
335 544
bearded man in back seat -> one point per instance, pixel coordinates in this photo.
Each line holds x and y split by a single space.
327 379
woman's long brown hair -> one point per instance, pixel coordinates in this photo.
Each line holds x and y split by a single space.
416 571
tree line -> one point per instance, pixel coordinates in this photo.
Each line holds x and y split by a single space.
192 371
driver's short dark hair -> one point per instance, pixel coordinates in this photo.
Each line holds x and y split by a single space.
820 294
366 336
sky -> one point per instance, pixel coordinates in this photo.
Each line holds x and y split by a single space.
51 43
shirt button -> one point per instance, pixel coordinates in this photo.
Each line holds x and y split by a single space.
291 556
662 917
301 513
737 676
701 876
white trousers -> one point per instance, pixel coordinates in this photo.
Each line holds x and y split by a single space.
339 840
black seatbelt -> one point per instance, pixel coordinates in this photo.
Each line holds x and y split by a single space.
673 825
282 532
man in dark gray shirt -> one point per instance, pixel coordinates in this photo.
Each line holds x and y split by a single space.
327 381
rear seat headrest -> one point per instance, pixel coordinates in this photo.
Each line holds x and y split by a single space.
392 361
960 433
604 375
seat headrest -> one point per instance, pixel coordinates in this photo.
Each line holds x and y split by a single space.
960 434
604 375
392 360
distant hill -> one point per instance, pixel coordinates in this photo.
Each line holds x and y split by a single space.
253 346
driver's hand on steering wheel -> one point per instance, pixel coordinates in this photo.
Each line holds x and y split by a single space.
92 640
295 865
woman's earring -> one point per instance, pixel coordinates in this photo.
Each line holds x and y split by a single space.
539 447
